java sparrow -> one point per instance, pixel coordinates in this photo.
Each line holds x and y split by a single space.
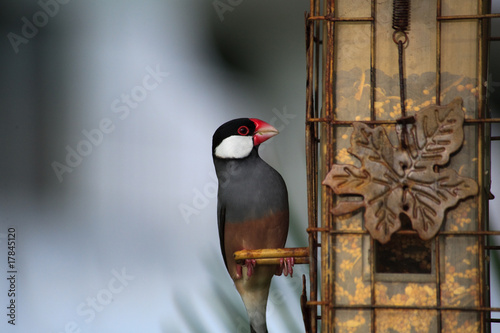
252 210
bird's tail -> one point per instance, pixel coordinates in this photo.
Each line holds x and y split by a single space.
254 331
255 303
254 292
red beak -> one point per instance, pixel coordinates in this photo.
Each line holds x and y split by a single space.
263 131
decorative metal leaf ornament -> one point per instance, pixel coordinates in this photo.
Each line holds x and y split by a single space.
411 180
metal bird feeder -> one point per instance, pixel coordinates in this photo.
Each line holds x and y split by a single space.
398 131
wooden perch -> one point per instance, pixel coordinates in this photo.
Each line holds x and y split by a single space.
273 256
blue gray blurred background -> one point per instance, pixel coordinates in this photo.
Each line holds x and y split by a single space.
107 113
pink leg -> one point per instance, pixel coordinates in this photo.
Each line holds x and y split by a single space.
279 269
250 263
286 266
239 272
291 263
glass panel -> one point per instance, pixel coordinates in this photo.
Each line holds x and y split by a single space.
352 64
419 61
459 78
360 8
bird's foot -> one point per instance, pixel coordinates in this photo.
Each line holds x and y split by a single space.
286 266
249 264
239 274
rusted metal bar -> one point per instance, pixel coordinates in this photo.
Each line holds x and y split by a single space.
467 17
271 253
327 259
413 232
313 255
391 122
331 18
437 269
317 229
372 284
410 232
405 307
438 53
373 116
276 261
414 307
312 45
481 150
316 303
350 122
303 305
372 63
483 120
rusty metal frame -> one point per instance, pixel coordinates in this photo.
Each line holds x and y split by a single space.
320 32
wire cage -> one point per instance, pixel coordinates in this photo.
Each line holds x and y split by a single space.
412 278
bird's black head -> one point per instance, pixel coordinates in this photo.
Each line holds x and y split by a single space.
237 137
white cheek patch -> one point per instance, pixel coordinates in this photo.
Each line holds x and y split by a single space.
235 146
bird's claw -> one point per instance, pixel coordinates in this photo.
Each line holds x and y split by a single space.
239 273
250 264
286 266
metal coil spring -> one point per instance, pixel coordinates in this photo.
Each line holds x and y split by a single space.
401 15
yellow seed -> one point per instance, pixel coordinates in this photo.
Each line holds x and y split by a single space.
460 87
352 323
426 92
459 290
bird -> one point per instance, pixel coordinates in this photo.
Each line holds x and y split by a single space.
252 210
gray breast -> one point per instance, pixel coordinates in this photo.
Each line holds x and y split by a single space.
250 189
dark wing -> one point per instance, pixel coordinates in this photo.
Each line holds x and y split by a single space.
221 220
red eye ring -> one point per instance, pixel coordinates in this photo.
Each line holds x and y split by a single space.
243 130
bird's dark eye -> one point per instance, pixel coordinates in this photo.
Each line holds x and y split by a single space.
243 130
